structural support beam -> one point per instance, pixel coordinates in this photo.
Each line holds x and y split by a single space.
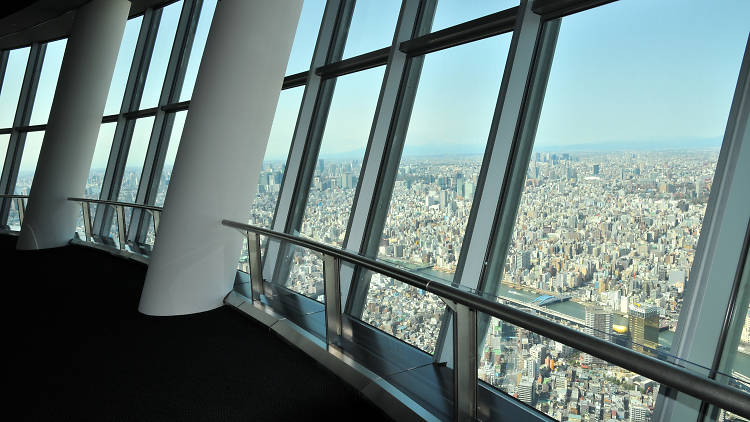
73 125
194 261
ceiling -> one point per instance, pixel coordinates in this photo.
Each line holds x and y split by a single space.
24 22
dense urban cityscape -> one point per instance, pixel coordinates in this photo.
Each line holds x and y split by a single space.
607 238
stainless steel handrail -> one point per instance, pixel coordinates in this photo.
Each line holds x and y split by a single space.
119 211
20 205
467 303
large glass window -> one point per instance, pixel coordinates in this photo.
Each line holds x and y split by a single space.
32 148
336 174
136 156
199 44
174 144
274 161
96 171
622 166
372 28
435 185
122 66
306 36
157 69
10 90
4 140
45 91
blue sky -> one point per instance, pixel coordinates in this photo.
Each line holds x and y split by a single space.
631 71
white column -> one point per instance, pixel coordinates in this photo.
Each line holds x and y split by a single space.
73 126
216 170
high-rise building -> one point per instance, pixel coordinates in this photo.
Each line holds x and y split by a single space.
598 324
643 324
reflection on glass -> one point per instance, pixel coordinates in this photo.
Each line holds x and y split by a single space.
437 177
622 167
157 69
454 12
136 157
372 28
403 311
199 44
45 91
306 36
336 174
10 89
122 66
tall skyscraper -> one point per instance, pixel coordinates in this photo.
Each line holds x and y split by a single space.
598 324
643 323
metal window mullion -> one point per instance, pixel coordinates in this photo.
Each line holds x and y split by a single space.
4 55
22 117
162 128
516 78
718 254
384 146
317 96
123 131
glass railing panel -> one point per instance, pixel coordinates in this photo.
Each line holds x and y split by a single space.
45 91
122 66
561 381
10 90
405 312
454 12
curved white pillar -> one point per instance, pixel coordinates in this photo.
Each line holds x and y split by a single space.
73 126
215 174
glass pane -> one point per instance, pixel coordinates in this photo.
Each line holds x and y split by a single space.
403 311
30 156
122 66
274 161
454 12
199 44
136 157
442 156
623 164
4 140
372 28
174 143
306 36
336 174
11 85
99 162
561 381
45 91
170 17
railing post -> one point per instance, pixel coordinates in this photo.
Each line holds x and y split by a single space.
86 211
21 209
465 362
121 232
256 269
332 286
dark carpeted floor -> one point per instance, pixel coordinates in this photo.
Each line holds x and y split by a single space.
78 350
